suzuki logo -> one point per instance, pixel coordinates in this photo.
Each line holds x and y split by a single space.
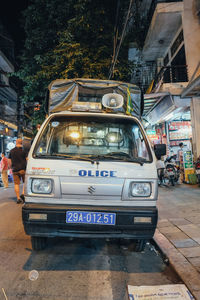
91 190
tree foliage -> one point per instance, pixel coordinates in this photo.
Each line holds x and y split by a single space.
69 39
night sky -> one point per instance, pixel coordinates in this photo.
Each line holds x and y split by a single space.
10 15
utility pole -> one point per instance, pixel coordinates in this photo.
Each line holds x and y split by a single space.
116 51
19 127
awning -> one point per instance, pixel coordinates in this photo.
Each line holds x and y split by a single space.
166 107
151 100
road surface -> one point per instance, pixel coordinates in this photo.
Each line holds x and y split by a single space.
70 269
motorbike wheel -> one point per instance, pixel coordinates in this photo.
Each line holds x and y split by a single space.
171 181
198 178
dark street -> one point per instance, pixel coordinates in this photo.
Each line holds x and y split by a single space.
71 269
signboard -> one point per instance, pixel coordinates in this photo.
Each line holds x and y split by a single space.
150 132
187 159
180 130
152 135
187 164
159 292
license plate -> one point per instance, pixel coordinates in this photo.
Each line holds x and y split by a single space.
87 217
171 173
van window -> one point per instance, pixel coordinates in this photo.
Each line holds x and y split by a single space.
92 136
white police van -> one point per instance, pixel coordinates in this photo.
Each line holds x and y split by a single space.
91 172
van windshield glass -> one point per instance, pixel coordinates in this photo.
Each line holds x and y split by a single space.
92 137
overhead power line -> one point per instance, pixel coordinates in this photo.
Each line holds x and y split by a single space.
115 31
115 54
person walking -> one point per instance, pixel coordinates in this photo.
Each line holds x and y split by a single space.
180 154
17 159
4 170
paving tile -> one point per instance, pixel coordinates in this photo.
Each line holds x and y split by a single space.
195 219
180 221
188 274
164 223
197 240
170 229
190 252
196 295
177 236
167 247
180 207
177 257
195 261
192 230
184 243
189 227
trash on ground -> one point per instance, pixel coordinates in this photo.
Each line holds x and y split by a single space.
159 292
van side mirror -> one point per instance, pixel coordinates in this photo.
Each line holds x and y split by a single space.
160 150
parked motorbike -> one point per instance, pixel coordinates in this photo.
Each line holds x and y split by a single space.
172 170
160 165
197 168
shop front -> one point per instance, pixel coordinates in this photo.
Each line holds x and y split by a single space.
170 123
180 131
8 135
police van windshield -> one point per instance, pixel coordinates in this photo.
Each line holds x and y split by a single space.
93 137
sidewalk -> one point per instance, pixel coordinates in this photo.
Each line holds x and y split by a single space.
178 232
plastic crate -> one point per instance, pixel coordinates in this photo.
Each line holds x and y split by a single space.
192 178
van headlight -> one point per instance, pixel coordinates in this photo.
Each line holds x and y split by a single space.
140 189
41 186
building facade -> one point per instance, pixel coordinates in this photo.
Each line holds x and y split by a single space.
169 70
8 97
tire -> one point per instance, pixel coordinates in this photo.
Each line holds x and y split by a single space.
139 245
172 181
38 243
198 178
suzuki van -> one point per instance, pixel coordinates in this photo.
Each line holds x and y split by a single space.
91 171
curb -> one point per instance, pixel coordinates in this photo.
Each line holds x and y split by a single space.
181 265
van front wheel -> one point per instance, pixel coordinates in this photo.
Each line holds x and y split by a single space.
139 245
38 242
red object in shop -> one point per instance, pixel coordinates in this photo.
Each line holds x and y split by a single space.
154 137
158 130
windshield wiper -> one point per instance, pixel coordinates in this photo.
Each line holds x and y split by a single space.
45 155
92 158
127 158
73 157
135 160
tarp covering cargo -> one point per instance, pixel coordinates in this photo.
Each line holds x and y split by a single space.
63 92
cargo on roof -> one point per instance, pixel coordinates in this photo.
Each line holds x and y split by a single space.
64 92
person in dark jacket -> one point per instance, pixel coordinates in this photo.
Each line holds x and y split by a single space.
17 159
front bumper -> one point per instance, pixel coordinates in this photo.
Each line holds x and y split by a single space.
56 225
